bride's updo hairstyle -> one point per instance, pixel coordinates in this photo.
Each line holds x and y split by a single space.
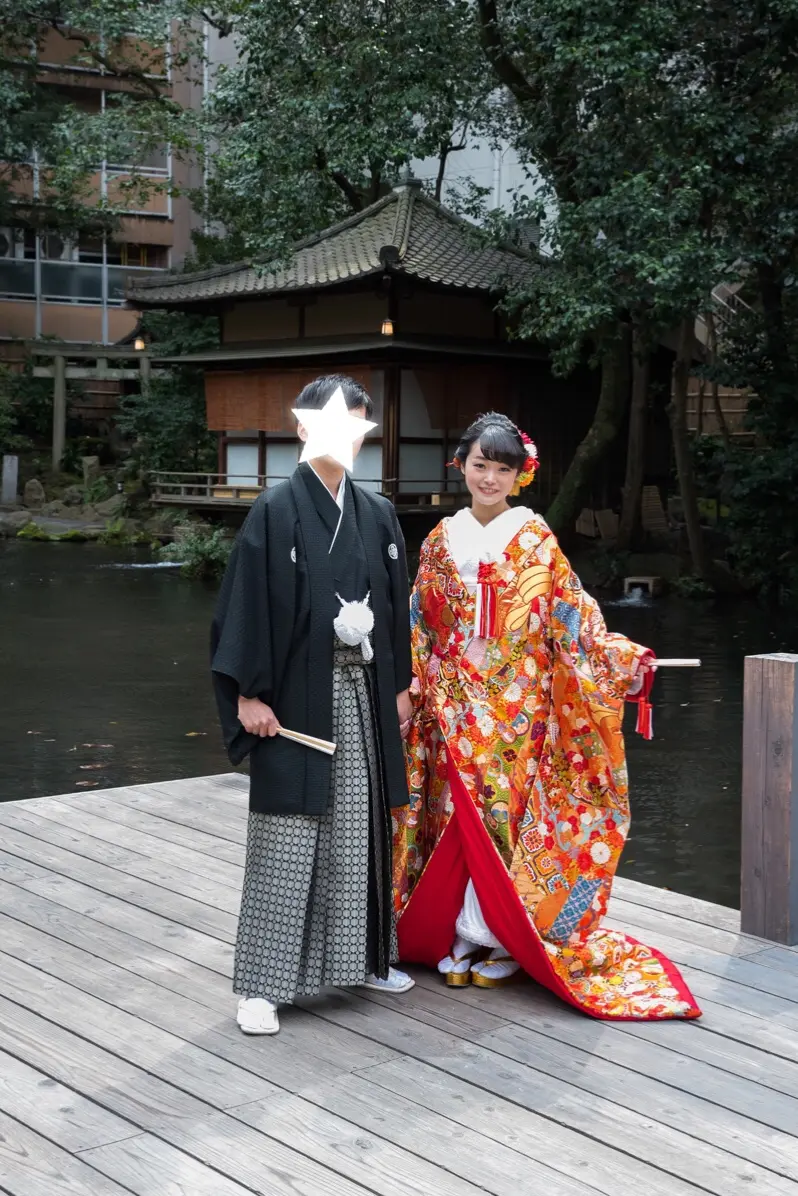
498 439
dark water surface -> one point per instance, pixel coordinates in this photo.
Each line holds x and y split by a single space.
104 681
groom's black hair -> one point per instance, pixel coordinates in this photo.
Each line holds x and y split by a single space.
316 393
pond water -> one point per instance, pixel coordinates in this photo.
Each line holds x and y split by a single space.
104 681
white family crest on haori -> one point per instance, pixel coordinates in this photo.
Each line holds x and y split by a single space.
355 624
393 552
332 431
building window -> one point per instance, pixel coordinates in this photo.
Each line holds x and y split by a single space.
151 160
86 271
152 257
90 250
17 264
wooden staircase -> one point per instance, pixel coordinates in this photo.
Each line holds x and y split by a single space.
702 410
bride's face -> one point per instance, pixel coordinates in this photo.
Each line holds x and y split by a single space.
488 482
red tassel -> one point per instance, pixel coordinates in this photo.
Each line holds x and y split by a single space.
645 711
489 602
645 719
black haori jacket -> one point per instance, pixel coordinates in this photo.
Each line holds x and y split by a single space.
272 636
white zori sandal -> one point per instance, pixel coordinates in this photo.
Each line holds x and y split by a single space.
256 1015
395 983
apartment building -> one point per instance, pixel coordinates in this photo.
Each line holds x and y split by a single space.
73 289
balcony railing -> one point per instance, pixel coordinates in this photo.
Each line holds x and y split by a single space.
17 278
67 282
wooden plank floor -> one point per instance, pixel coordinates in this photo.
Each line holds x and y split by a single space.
122 1070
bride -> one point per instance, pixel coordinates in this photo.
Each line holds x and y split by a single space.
516 762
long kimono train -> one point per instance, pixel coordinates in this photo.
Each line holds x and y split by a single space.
316 905
518 777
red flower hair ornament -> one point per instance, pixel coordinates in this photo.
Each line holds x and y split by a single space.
527 473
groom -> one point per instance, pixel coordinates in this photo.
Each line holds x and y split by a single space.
317 906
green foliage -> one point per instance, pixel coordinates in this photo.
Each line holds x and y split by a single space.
659 130
98 489
692 587
26 406
710 459
202 552
762 480
667 145
73 536
608 566
166 422
124 40
328 102
119 531
114 532
10 440
32 531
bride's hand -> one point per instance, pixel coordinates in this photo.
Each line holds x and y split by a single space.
647 664
404 710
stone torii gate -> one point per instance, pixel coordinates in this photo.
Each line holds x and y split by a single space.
94 365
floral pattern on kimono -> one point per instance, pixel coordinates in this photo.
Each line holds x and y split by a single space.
530 720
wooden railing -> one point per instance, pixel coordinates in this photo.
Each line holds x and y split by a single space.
172 488
203 488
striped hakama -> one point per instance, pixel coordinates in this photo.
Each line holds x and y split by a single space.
317 907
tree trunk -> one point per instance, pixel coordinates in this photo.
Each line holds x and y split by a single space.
636 450
607 420
716 406
677 411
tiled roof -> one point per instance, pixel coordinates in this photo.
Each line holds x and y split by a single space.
431 244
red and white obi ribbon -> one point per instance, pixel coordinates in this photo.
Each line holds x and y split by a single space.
486 615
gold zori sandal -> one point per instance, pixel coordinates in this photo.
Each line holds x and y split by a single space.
461 979
483 981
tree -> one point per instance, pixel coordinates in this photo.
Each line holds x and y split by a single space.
328 102
646 120
26 408
41 124
166 421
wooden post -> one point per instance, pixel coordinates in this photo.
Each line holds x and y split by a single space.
145 371
392 397
769 897
59 409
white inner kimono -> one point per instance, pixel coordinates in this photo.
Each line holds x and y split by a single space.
469 545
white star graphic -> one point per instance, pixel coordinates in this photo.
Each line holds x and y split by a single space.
332 431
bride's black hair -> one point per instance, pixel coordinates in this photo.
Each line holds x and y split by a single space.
498 439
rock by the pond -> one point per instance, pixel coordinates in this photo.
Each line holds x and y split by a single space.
112 507
12 521
160 524
57 510
91 469
73 496
34 496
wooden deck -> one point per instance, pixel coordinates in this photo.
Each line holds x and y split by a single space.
122 1069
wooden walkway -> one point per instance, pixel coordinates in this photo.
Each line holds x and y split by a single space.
122 1069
